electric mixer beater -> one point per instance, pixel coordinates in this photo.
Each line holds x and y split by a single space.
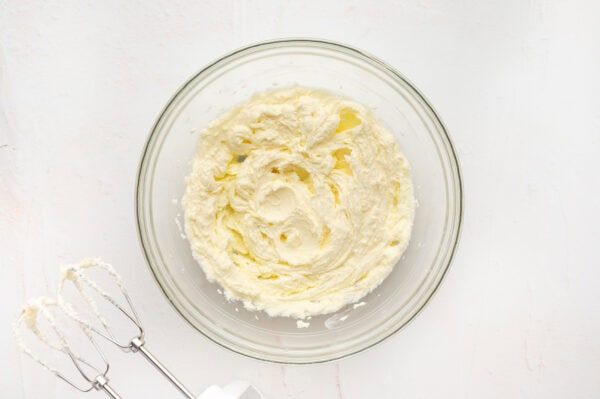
45 308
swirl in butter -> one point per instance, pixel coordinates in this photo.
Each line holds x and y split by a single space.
299 202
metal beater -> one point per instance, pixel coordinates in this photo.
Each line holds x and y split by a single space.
43 308
77 276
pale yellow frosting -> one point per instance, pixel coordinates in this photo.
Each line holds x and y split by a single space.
298 203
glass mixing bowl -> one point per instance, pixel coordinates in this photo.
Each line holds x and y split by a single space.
341 70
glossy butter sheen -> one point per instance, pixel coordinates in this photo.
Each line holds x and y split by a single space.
298 203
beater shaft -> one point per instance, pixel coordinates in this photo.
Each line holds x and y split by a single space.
137 345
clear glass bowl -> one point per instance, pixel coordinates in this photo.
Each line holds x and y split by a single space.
350 73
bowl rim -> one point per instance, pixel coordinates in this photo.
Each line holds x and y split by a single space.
331 45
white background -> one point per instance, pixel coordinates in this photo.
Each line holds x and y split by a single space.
518 85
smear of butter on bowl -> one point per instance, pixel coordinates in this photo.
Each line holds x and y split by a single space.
302 324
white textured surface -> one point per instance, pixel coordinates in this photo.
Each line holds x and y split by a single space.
517 84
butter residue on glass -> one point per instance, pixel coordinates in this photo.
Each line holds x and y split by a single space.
298 203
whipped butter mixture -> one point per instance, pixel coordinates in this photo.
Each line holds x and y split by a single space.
299 202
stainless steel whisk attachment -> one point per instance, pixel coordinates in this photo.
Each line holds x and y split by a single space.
88 290
43 309
78 276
